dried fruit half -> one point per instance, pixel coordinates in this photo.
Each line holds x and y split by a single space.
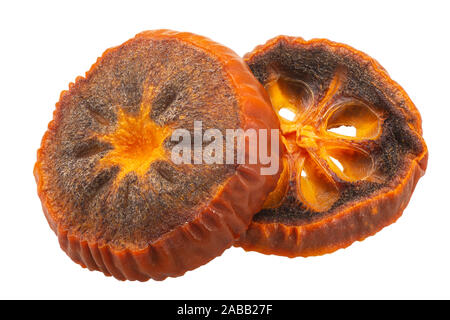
108 186
354 147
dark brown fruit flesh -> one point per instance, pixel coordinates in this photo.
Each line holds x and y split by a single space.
336 188
105 177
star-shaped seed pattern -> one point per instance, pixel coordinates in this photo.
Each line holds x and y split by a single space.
137 140
319 160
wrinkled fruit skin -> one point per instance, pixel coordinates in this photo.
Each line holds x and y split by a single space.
108 189
319 207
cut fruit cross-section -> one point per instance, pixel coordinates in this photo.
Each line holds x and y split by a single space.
108 186
354 147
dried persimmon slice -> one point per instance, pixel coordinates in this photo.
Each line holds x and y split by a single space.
108 186
354 147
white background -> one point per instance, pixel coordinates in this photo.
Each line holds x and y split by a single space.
45 45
